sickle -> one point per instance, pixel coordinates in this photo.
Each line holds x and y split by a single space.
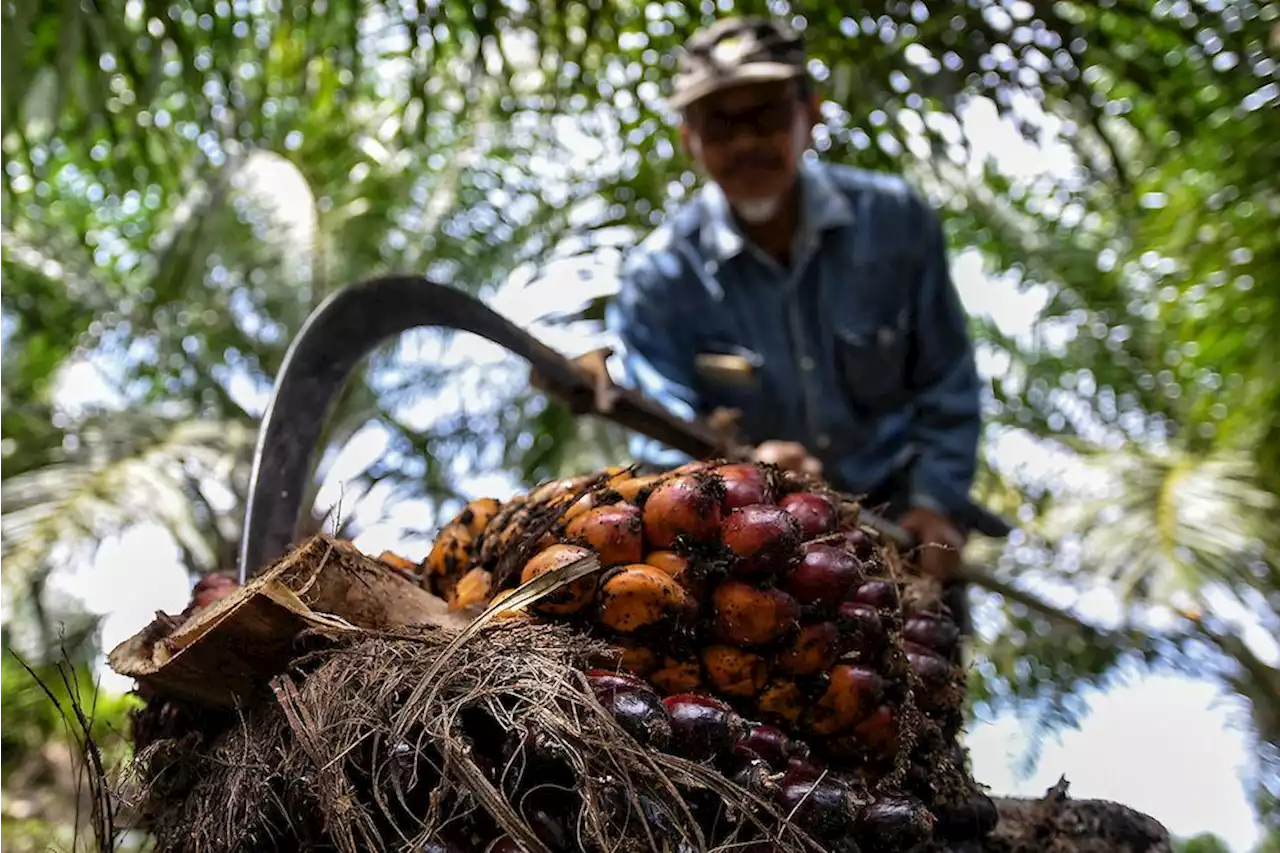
345 329
350 324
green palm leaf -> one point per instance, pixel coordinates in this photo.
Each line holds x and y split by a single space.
1160 524
126 470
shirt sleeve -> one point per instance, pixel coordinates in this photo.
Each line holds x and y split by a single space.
657 351
944 377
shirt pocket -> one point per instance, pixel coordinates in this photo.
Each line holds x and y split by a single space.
729 374
871 362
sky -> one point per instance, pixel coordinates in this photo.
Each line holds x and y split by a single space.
1169 746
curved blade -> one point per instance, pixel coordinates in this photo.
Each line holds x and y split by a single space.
341 332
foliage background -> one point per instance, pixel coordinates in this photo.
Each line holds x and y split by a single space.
183 183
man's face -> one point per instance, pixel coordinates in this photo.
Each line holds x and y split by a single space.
746 138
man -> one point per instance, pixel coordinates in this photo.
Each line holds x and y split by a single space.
815 299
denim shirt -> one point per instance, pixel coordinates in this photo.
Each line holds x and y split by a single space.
860 348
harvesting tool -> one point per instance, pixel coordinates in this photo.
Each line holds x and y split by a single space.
353 322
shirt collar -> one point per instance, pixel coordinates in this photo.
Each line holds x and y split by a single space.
822 207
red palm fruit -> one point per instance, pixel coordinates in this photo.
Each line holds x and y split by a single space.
578 508
976 817
451 553
861 627
516 613
765 539
816 514
702 727
683 506
878 593
640 595
751 774
933 631
744 484
824 577
615 532
630 489
568 599
395 561
748 616
734 671
813 650
851 695
475 587
477 514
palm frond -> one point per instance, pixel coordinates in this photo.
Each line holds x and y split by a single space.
1157 524
126 470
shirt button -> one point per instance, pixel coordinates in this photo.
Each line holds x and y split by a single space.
807 364
824 441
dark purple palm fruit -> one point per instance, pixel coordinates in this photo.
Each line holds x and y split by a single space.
824 577
895 821
826 808
635 705
861 628
877 593
975 818
763 743
935 631
702 727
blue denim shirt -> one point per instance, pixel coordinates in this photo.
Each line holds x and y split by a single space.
860 348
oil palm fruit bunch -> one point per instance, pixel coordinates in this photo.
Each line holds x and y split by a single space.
751 586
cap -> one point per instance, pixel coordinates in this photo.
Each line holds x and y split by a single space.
733 51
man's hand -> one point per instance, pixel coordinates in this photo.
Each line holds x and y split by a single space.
790 456
594 369
940 541
538 381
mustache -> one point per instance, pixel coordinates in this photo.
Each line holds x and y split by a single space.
756 160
